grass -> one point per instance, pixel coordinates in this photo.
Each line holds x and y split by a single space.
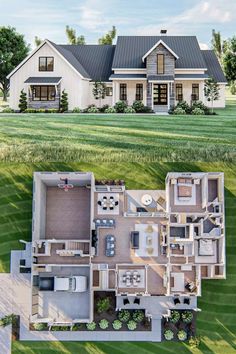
114 138
216 322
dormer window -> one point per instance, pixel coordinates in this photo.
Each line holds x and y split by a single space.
46 63
160 64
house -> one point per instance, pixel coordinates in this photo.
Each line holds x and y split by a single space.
147 247
157 70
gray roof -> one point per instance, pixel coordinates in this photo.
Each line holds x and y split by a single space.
94 60
160 77
71 59
213 66
130 50
191 76
128 76
43 80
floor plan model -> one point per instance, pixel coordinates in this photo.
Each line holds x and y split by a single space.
151 248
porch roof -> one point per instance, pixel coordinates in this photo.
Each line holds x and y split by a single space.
43 80
128 76
160 78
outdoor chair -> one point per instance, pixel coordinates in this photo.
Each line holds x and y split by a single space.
126 301
137 301
99 203
186 301
176 301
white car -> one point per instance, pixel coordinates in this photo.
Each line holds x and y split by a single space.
73 283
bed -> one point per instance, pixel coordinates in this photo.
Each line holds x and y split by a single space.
206 248
184 191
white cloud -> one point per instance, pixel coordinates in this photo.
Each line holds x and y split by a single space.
203 46
211 12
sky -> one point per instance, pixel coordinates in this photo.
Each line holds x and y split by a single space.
93 18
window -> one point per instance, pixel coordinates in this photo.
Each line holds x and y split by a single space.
195 92
123 92
43 93
179 92
109 91
139 92
160 64
160 94
46 63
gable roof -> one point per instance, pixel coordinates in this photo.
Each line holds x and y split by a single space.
96 60
131 49
156 45
213 66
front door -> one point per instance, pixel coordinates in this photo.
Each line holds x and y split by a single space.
160 94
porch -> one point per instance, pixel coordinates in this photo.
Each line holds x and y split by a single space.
43 92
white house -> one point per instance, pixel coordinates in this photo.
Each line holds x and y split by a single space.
157 70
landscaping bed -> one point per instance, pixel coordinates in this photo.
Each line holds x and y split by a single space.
181 326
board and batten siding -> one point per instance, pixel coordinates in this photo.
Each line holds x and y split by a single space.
151 65
74 85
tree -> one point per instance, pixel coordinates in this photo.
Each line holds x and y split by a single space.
23 101
37 41
218 45
109 37
229 60
211 91
72 38
99 91
13 49
64 101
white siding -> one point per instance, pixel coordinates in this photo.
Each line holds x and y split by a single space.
131 90
187 92
92 100
74 85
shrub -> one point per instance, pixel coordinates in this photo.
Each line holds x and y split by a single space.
104 107
7 320
117 324
93 110
51 110
8 110
40 326
23 101
168 334
89 106
41 110
194 342
187 316
110 110
64 101
200 105
91 326
233 88
147 109
30 110
76 326
198 112
175 316
60 328
132 325
124 315
103 324
129 110
103 305
179 111
138 315
120 106
76 110
138 106
182 335
185 106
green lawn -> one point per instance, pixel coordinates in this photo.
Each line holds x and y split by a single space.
112 138
216 323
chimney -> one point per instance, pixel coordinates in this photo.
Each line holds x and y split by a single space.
163 32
